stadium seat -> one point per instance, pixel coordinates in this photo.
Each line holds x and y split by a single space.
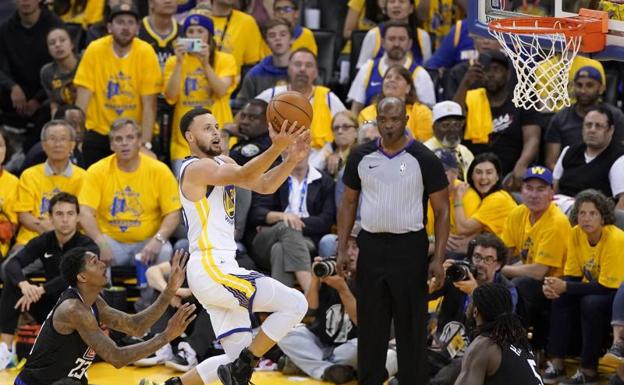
326 42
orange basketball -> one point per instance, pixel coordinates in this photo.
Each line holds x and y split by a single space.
291 106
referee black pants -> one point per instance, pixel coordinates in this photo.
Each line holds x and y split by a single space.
391 284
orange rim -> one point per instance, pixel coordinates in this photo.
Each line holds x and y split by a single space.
539 26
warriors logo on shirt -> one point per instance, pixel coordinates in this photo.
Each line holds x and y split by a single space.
229 202
45 201
126 202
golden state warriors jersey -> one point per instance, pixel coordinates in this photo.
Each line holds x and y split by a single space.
210 222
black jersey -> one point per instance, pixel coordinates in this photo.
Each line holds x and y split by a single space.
517 367
163 45
55 356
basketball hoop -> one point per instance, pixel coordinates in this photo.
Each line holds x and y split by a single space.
542 50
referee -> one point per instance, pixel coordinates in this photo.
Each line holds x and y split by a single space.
395 177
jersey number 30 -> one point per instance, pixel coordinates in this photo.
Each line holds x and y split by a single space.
80 369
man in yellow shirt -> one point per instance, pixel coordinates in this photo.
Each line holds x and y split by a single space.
118 77
129 204
38 184
536 233
236 32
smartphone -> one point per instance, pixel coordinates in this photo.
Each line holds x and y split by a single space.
192 45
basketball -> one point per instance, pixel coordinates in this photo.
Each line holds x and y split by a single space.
291 106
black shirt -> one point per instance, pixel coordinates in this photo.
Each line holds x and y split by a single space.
55 356
163 45
246 150
46 248
332 324
566 126
517 367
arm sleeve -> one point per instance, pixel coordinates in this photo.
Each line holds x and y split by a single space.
26 197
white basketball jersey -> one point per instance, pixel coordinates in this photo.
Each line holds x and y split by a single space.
210 222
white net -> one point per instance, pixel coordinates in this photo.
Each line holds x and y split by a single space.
542 63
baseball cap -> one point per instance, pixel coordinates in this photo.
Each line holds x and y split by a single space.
538 172
445 109
448 159
199 17
589 72
124 9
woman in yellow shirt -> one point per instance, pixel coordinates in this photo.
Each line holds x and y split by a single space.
398 82
594 270
200 77
484 186
8 194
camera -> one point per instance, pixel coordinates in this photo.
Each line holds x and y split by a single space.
324 268
192 45
459 270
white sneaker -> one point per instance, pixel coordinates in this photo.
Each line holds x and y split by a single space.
7 358
163 354
185 360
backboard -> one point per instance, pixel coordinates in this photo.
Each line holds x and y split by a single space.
481 12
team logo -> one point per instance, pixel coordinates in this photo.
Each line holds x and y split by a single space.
229 202
126 209
538 170
45 201
250 150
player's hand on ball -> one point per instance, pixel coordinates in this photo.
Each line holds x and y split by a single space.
180 321
178 270
286 136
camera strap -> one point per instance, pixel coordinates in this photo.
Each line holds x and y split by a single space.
302 194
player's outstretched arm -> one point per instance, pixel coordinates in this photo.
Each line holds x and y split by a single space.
207 172
138 324
74 315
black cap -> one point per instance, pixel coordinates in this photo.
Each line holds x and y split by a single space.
124 9
499 57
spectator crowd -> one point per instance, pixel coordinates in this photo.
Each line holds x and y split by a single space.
91 98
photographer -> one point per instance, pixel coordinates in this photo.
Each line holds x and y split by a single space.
486 257
327 348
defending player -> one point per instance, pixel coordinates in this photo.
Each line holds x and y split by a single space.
230 293
501 354
70 336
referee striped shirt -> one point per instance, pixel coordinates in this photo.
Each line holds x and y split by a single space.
394 188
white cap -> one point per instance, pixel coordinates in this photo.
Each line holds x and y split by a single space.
446 108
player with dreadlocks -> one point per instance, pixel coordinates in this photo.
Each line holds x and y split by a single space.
500 354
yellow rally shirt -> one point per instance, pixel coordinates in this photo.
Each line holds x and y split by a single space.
602 263
117 84
543 242
470 207
129 206
36 188
493 209
195 92
239 35
8 195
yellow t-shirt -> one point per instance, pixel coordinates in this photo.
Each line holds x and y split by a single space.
602 262
35 189
8 195
242 37
304 40
359 6
419 122
470 206
194 92
94 11
117 84
543 242
129 206
493 210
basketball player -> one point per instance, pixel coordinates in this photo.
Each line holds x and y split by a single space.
70 337
500 354
230 293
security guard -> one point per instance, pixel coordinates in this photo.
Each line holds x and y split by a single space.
253 130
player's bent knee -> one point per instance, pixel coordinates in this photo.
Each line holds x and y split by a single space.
298 305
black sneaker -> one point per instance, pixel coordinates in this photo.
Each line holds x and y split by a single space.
237 372
552 375
184 360
339 374
580 378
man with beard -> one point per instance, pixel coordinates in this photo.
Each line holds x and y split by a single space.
253 132
565 127
448 131
397 43
118 77
228 292
302 73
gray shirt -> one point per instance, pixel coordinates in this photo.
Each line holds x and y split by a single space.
58 84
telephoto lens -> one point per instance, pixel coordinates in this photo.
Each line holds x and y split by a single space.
324 268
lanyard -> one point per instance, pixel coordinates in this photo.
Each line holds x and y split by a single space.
302 194
227 23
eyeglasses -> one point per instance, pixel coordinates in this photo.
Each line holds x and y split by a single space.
486 259
344 127
284 9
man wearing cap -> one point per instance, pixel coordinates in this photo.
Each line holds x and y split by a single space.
448 131
536 234
118 77
565 127
493 123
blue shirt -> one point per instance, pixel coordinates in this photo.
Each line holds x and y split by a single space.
450 51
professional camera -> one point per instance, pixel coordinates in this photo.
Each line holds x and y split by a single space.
325 268
458 271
